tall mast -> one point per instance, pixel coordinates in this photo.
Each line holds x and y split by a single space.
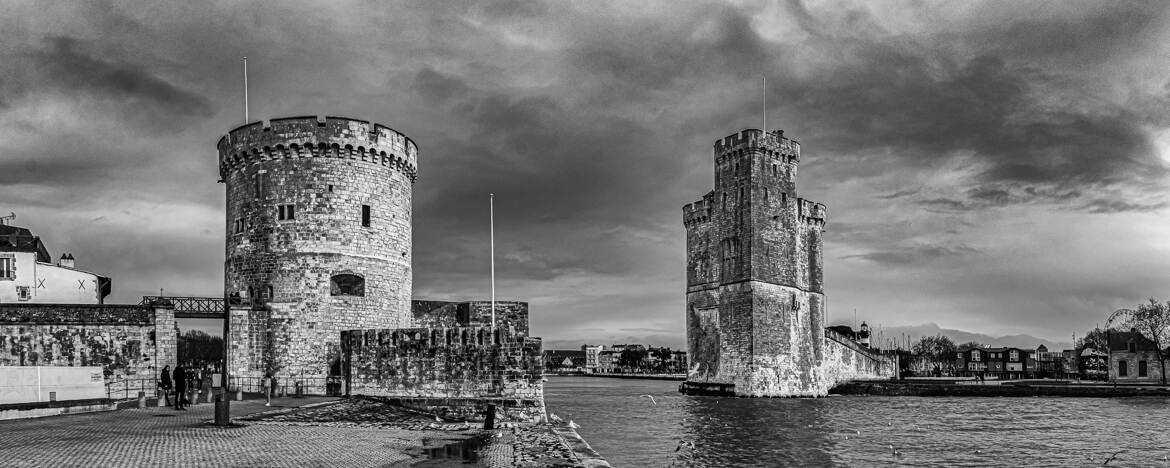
245 89
492 212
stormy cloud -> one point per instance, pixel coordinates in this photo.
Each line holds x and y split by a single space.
985 165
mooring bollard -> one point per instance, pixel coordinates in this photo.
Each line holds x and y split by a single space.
193 396
300 391
142 399
489 421
239 395
222 418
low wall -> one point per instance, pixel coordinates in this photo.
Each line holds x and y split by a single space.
27 384
469 367
128 342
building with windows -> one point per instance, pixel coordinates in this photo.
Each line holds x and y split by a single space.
591 353
1002 363
1133 358
28 274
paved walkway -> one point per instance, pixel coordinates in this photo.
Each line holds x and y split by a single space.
165 437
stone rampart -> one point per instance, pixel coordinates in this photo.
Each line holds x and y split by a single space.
318 237
127 341
466 366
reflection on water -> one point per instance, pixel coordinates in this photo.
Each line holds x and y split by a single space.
630 430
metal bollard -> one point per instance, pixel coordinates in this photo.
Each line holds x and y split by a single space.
193 396
142 399
222 417
239 395
300 391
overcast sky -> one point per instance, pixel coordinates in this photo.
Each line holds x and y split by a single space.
994 167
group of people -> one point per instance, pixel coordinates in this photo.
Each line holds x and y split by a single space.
178 381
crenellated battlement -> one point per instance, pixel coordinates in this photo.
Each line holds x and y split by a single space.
751 139
699 212
811 212
315 137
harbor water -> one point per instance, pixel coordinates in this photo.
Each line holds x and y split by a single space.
647 423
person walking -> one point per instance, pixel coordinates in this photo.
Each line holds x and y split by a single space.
164 383
180 375
268 384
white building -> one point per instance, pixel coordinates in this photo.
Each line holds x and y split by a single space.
591 353
27 273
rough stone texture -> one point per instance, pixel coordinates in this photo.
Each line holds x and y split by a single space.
127 341
510 315
466 367
326 170
755 288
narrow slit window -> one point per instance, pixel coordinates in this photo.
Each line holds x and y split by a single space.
285 213
365 215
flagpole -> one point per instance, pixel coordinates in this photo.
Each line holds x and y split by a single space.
764 112
492 211
245 89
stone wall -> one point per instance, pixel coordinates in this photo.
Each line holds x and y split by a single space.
298 242
464 364
511 315
127 341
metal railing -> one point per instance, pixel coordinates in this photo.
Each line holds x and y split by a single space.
127 389
330 386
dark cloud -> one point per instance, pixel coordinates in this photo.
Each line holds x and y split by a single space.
594 124
918 255
64 65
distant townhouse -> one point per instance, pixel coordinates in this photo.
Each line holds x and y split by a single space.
591 352
607 361
1046 364
564 359
28 274
1004 363
1133 358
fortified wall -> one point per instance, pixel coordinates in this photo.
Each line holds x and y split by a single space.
453 371
755 284
318 231
129 342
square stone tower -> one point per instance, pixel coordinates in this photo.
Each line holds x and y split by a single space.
755 291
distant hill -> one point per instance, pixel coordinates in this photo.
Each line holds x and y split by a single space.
916 332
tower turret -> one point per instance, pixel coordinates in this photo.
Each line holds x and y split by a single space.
318 237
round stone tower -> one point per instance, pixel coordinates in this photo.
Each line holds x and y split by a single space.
318 239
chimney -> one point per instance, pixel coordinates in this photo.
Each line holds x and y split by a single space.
66 261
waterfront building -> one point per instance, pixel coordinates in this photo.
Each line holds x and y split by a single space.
318 237
564 359
28 274
1002 363
607 361
1133 358
591 352
755 298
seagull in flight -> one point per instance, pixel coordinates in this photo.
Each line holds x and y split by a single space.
651 397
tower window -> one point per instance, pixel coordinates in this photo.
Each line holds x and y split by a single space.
285 212
330 189
365 215
347 284
260 185
268 293
239 227
1122 369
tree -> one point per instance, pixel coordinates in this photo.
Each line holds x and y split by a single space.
632 357
935 351
970 345
197 349
1152 321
